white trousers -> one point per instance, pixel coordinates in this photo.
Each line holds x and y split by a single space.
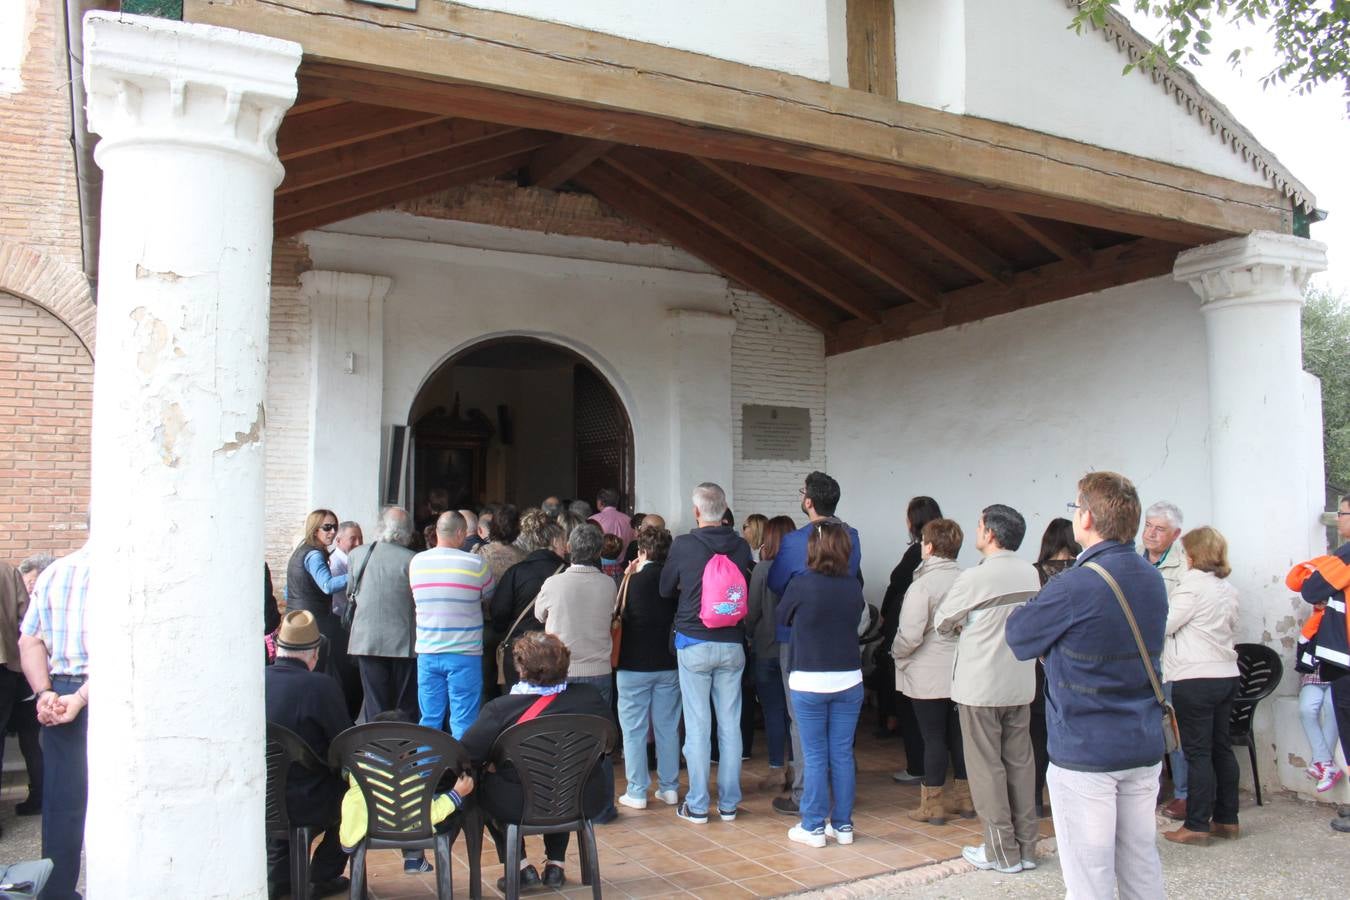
1105 831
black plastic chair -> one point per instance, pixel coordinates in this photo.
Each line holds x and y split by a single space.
284 749
1259 672
554 757
398 767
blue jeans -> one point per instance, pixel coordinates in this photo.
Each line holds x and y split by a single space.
605 685
769 686
1177 758
827 723
712 671
65 794
650 697
449 683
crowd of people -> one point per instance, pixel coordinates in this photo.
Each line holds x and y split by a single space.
1077 673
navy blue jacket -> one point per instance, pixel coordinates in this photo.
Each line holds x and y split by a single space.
823 612
683 573
1100 711
1333 650
791 561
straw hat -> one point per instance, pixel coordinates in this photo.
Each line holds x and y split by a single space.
298 631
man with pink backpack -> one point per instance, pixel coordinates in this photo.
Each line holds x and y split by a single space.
708 567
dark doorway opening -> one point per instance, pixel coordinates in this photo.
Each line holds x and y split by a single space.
515 420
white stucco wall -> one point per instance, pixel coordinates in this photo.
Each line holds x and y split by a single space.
786 35
1015 409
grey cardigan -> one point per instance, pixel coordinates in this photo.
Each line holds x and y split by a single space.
759 617
385 619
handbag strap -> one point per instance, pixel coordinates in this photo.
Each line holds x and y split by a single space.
526 611
355 587
623 598
536 707
1134 629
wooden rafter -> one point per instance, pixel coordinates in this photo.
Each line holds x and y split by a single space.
379 181
1059 238
387 150
1059 280
337 126
558 162
303 104
734 225
923 221
832 229
634 200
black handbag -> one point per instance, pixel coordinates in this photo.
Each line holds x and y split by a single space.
353 588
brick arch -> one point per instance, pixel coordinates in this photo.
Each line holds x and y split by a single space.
52 284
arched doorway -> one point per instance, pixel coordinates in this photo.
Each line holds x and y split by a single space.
515 420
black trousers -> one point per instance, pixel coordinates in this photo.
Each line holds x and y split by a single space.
1340 705
65 796
21 716
941 729
322 810
1203 707
1040 734
911 736
388 682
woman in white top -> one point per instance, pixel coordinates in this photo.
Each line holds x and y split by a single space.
1201 662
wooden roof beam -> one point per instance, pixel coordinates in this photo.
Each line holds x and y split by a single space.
1059 238
925 222
557 163
833 229
642 205
731 223
347 123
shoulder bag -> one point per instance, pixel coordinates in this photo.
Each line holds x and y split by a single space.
1171 734
354 587
616 623
506 638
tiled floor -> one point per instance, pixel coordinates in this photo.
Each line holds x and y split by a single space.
651 853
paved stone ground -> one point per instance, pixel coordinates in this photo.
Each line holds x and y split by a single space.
1286 850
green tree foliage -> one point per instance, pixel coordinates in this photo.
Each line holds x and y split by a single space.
1312 37
1326 354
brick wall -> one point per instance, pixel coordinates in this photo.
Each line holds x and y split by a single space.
287 435
46 401
776 360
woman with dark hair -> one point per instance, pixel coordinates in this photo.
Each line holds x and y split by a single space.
647 679
510 609
894 710
310 585
1058 552
542 661
762 629
822 606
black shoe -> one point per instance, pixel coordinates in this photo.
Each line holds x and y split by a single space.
330 887
30 807
277 891
529 878
1341 825
1343 811
786 806
553 876
904 777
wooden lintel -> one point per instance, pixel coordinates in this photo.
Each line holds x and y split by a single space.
731 223
613 88
832 229
391 149
634 201
337 126
1110 267
923 221
372 202
379 181
559 161
870 32
1059 238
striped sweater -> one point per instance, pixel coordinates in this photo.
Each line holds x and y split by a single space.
449 587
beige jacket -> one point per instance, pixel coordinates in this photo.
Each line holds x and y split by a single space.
1172 566
923 658
577 605
1202 622
985 672
13 604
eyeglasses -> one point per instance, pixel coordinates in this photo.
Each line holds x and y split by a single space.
1156 529
801 491
1342 512
328 526
1071 507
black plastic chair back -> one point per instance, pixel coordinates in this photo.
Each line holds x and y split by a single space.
1259 672
553 756
284 749
398 767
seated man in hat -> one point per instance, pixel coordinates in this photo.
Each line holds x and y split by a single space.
310 704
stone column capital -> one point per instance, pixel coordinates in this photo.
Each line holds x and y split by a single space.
152 81
344 285
1261 267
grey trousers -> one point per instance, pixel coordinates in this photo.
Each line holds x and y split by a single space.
1002 771
797 767
1105 830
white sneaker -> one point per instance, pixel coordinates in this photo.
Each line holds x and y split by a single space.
977 858
1314 772
669 798
809 838
633 802
843 834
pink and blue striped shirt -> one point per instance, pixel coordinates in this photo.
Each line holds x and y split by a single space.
56 615
449 587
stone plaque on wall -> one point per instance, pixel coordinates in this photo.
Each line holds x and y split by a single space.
775 432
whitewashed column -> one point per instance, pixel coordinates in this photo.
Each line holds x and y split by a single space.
187 116
346 314
700 407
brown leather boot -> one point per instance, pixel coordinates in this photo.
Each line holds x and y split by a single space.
1184 835
958 799
1224 830
930 808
